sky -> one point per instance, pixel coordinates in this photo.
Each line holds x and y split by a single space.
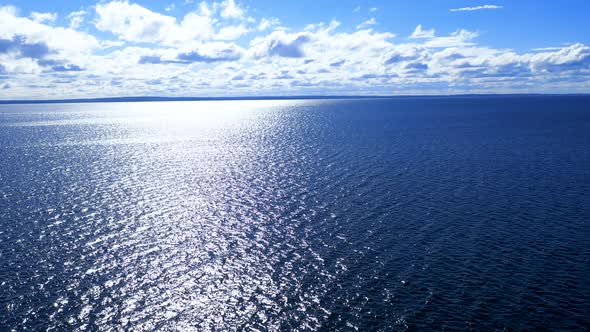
63 49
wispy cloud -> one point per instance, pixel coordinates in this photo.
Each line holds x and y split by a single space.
469 9
266 23
420 33
76 18
367 23
545 49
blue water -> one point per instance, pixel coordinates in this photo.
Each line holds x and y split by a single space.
463 213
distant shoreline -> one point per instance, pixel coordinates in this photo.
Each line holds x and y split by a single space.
162 99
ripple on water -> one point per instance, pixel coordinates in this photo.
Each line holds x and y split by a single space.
293 215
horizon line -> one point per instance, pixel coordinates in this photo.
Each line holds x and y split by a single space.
131 99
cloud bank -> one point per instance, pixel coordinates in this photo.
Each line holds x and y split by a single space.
121 48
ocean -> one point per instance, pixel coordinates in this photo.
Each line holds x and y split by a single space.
391 214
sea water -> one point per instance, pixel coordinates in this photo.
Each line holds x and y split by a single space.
415 213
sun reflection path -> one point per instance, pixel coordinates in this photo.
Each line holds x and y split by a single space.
197 216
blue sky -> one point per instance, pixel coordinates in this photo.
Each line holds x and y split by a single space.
72 49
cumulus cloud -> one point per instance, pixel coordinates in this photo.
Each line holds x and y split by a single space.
22 48
575 57
229 9
280 43
469 9
29 48
205 51
134 23
57 38
227 54
232 32
43 17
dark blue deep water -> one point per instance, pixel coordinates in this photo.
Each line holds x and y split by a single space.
417 214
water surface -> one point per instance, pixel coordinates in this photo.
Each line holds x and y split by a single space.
465 213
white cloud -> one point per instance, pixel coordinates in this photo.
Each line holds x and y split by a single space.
229 9
206 10
356 9
134 23
367 23
43 17
170 7
373 9
573 55
209 53
543 49
463 9
267 23
280 43
231 32
56 38
194 55
458 38
420 33
111 43
9 10
321 46
30 49
76 18
194 26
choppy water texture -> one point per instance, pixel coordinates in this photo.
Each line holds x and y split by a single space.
385 215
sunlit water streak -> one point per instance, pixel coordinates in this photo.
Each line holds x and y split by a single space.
296 215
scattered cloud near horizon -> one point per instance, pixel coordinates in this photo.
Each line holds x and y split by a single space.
122 48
